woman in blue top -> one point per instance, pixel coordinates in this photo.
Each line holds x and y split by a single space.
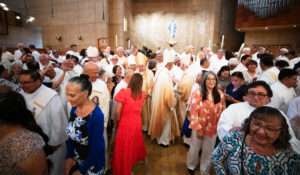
85 146
236 89
261 148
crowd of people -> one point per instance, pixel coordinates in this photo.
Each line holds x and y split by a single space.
85 112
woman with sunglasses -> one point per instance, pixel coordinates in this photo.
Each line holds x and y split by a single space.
262 147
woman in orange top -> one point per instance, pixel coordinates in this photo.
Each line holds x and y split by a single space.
206 106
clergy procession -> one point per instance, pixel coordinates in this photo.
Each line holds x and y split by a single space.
89 112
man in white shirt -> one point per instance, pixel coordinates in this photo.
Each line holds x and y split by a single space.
283 89
55 56
34 53
242 65
18 52
120 56
44 61
46 106
159 58
261 50
73 51
5 55
270 72
217 61
258 94
294 108
283 51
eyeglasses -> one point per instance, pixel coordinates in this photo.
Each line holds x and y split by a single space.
211 79
269 130
259 95
26 82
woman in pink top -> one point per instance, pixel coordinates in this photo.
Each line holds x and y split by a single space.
207 104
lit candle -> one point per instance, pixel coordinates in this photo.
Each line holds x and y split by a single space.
222 39
116 38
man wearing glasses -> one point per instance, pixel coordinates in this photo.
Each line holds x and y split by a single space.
258 94
46 107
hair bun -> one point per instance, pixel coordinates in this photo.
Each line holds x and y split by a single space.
84 76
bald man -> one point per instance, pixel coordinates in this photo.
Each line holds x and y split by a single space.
100 96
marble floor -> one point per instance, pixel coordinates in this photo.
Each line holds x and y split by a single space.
164 161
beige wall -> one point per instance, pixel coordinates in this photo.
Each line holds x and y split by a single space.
198 21
71 19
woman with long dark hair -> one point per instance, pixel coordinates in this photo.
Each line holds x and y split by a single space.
206 106
262 147
129 146
23 145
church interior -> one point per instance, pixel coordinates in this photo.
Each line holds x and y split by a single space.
218 24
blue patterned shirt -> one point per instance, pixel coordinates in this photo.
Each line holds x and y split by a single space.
227 159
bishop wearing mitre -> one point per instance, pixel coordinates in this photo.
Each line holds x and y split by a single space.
163 122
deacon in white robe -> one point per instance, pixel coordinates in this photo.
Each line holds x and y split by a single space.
270 72
241 67
283 51
46 106
235 114
163 123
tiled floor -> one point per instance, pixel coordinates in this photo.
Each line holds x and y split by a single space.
163 161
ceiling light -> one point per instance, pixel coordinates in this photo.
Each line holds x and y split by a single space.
294 25
30 19
266 28
18 17
5 8
2 4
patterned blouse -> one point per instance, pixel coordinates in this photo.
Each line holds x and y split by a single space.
205 114
286 162
20 146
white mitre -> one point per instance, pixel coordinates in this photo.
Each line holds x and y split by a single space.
185 59
92 51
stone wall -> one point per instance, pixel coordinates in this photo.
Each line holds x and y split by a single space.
198 21
71 19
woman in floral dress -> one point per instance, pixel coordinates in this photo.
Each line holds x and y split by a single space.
85 146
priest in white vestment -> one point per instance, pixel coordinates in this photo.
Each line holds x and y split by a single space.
258 94
270 72
282 51
46 106
183 89
18 52
261 50
121 57
283 90
217 61
163 123
5 55
160 59
34 53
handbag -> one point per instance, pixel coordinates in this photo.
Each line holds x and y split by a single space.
185 128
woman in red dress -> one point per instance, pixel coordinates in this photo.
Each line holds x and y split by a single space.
129 144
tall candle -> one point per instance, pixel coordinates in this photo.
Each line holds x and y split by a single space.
222 38
116 38
209 42
128 44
